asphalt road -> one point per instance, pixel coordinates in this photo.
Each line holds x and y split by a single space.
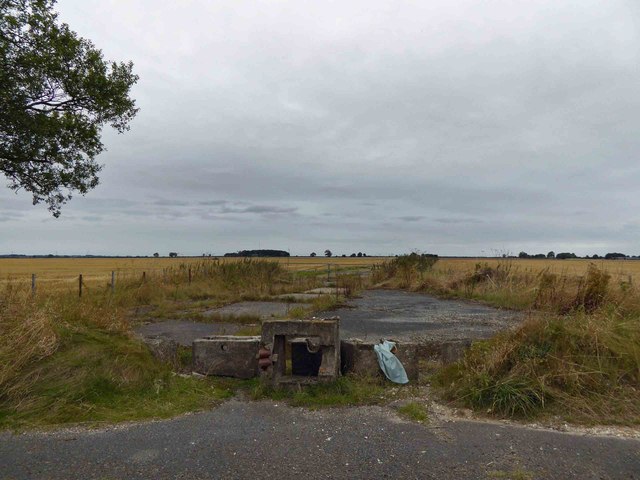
265 440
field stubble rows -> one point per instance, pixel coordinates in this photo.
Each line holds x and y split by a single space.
98 270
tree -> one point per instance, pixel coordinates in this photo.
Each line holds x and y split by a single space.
523 255
56 94
156 255
327 253
173 254
551 254
313 254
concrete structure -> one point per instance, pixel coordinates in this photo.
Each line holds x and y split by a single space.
445 352
226 356
300 351
359 357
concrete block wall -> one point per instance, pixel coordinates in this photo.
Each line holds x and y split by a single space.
226 356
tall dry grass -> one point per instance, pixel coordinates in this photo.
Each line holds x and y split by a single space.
62 356
576 356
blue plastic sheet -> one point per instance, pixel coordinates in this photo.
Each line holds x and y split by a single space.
389 363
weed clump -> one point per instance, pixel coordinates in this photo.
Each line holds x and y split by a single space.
405 268
585 367
592 293
414 411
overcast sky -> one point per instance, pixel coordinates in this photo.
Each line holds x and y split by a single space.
464 127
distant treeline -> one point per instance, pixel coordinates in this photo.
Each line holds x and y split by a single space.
565 255
258 253
51 255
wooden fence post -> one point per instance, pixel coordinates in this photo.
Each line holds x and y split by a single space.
80 285
144 276
189 275
113 281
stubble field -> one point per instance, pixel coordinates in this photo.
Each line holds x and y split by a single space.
63 271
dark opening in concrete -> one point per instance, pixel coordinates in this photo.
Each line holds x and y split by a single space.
305 358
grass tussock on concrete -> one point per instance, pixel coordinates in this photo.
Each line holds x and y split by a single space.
584 368
577 356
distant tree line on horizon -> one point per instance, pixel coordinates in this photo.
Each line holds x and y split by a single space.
258 253
566 255
329 253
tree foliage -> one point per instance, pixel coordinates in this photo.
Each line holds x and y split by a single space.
565 255
56 94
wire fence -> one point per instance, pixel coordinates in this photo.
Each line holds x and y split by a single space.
184 273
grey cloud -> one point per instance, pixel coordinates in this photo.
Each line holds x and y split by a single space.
458 127
450 221
211 203
165 202
268 209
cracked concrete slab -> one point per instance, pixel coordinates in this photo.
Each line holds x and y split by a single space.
185 332
416 316
264 310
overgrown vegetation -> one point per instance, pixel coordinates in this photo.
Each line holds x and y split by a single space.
577 356
65 358
82 373
69 359
414 411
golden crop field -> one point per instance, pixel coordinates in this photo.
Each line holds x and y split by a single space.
98 270
569 267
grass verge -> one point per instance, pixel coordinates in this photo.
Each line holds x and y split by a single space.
584 368
345 391
97 376
414 411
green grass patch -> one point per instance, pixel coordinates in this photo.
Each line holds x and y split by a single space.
322 303
97 376
517 474
249 331
414 411
345 391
